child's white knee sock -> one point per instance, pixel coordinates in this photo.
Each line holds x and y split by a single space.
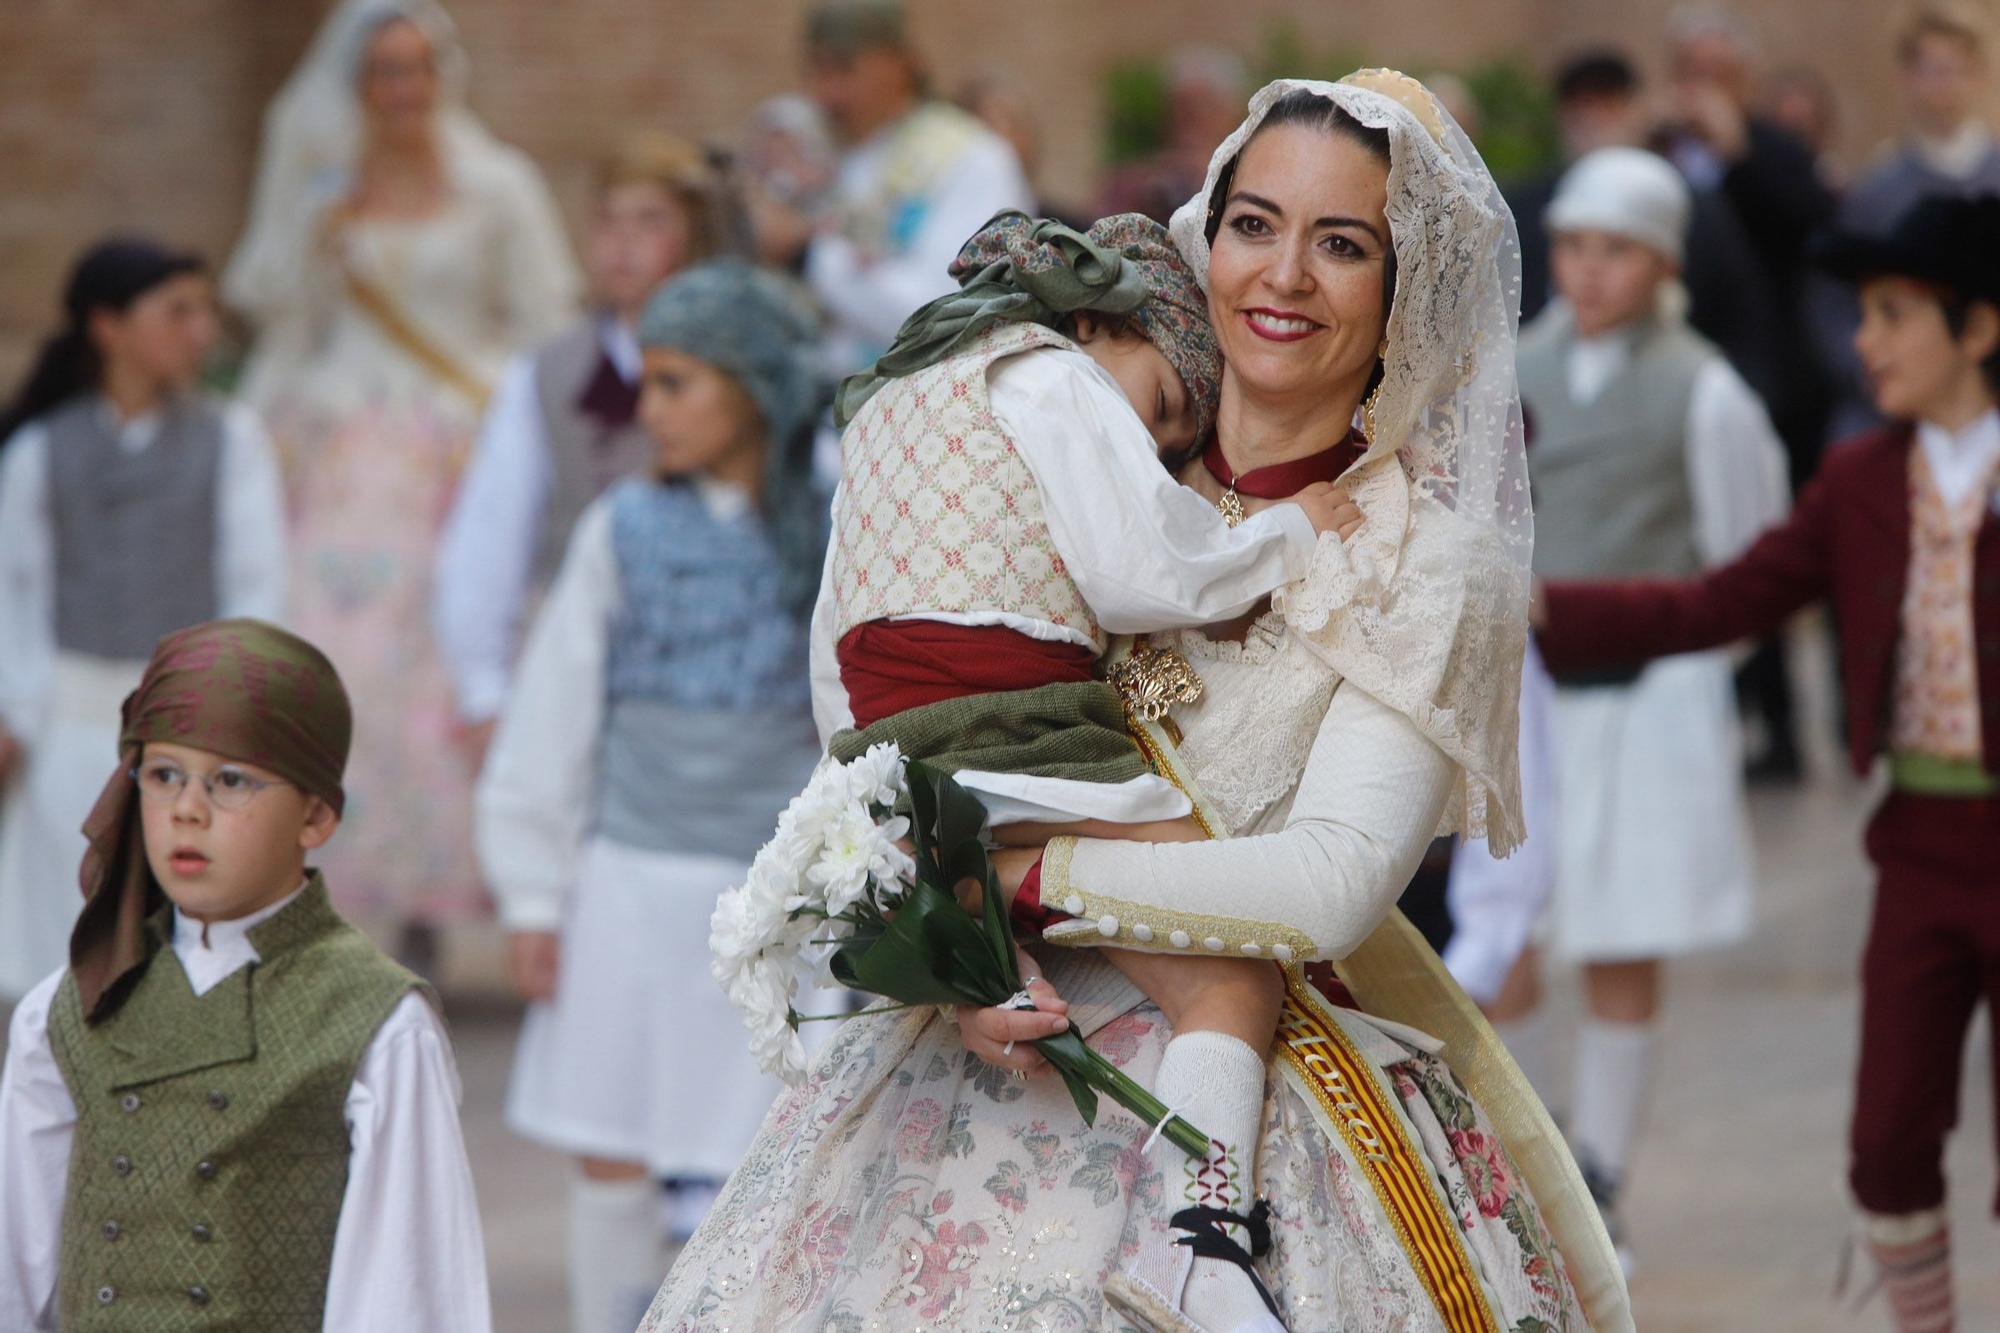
616 1259
1613 1074
1216 1083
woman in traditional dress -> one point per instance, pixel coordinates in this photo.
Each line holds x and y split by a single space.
396 255
1361 269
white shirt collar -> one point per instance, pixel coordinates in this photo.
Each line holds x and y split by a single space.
1594 362
1958 460
209 955
725 500
1959 153
622 346
133 436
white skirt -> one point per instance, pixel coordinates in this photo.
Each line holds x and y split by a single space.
1653 851
72 751
640 1057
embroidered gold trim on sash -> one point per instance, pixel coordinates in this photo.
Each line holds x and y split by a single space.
1342 1086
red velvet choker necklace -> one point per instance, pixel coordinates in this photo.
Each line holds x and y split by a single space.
1279 481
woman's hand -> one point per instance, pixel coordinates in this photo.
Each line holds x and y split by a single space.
990 1033
533 959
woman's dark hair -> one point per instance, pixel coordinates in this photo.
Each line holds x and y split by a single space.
1314 112
1957 312
111 275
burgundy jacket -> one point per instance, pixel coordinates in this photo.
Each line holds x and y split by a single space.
1848 539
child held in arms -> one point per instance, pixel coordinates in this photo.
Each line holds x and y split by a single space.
1003 510
231 1110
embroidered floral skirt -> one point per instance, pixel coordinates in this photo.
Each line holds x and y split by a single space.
907 1185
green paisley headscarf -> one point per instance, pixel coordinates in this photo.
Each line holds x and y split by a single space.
1018 269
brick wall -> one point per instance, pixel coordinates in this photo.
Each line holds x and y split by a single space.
145 112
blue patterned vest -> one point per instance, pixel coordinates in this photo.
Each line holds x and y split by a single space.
708 725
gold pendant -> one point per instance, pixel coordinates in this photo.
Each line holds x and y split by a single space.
1152 680
1231 507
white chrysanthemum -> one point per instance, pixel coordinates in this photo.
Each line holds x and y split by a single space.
876 778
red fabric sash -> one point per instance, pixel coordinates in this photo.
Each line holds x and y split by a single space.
890 665
1281 481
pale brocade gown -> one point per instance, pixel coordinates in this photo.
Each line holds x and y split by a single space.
372 442
907 1185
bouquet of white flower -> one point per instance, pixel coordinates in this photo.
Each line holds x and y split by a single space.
833 899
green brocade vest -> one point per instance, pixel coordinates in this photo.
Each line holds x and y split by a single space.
210 1156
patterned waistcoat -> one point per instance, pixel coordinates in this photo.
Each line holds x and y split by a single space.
701 619
939 512
210 1156
134 532
1936 710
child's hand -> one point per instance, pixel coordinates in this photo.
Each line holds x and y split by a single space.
533 959
1330 509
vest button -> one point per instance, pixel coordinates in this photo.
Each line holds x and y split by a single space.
198 1294
105 1295
112 1231
130 1101
205 1168
122 1165
219 1100
202 1232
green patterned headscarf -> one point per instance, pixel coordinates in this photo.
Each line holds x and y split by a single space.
1018 269
242 689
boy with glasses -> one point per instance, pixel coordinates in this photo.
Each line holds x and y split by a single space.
231 1110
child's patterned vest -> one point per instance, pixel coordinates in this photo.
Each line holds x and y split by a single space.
1936 708
939 513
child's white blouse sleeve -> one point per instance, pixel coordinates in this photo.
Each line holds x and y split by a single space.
1736 464
486 551
1146 552
37 1126
407 1251
1368 805
532 804
27 582
250 545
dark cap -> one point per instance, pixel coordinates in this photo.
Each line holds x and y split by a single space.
1951 242
844 27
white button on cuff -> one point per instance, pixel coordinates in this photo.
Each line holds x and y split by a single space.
1212 944
1143 933
1107 926
1252 949
1179 939
1282 952
1073 905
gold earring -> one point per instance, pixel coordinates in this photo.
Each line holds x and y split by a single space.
1382 348
1368 413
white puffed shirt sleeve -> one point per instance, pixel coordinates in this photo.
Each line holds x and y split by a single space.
871 300
251 561
1368 805
487 548
27 582
1495 901
831 709
1146 552
37 1125
407 1252
1736 464
532 806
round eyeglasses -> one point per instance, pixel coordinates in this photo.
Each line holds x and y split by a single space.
228 787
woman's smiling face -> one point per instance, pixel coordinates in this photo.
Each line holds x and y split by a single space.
1296 267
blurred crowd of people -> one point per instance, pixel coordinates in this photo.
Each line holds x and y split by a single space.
439 390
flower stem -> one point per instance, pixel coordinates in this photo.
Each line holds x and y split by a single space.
1067 1051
